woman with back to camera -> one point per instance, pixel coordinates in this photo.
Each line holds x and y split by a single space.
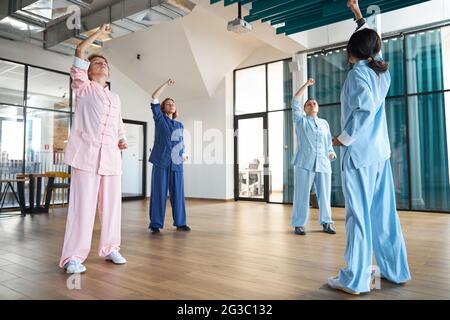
372 223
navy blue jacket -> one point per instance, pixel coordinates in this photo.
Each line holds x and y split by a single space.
168 147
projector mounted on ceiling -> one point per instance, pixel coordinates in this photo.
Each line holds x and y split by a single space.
239 25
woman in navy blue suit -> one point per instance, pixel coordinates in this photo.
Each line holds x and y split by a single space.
167 157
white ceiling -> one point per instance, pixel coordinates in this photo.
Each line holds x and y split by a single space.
196 50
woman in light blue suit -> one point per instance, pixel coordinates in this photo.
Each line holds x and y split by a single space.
311 163
167 158
372 224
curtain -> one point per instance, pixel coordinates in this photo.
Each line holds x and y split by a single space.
427 125
329 70
416 118
333 115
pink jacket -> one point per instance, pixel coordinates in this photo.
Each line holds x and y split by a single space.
97 125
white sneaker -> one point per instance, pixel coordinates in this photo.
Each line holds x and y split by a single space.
334 283
74 266
116 258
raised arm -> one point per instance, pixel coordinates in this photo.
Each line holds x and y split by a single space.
78 72
297 109
81 50
157 114
359 18
353 5
161 89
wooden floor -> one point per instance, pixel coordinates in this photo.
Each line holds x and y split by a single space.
237 250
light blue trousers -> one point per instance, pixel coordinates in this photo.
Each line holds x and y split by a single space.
372 226
303 181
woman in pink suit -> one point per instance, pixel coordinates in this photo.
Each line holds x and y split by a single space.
94 152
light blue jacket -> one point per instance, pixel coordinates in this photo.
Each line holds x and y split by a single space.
314 144
363 116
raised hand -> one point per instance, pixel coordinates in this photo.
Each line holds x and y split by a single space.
160 90
105 29
81 50
353 5
303 88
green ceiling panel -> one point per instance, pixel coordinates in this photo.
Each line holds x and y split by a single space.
302 15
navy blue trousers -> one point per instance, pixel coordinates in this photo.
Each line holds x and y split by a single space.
165 180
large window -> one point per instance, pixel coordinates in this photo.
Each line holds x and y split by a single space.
265 136
12 80
11 141
48 90
35 113
250 90
46 138
417 110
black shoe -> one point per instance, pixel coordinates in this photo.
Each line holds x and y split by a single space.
154 230
328 228
300 231
183 228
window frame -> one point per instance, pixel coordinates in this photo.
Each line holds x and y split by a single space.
265 115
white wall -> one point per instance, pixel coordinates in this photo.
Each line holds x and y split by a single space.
200 116
207 123
216 51
135 106
263 54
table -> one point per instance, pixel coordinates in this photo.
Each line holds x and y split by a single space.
9 185
34 196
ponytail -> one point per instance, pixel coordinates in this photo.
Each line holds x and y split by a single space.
378 66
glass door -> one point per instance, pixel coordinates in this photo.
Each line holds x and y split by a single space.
134 164
251 179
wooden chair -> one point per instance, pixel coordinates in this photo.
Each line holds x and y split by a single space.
60 183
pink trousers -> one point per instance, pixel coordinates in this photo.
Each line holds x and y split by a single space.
90 192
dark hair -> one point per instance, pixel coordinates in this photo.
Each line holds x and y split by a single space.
306 102
96 55
162 105
365 45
